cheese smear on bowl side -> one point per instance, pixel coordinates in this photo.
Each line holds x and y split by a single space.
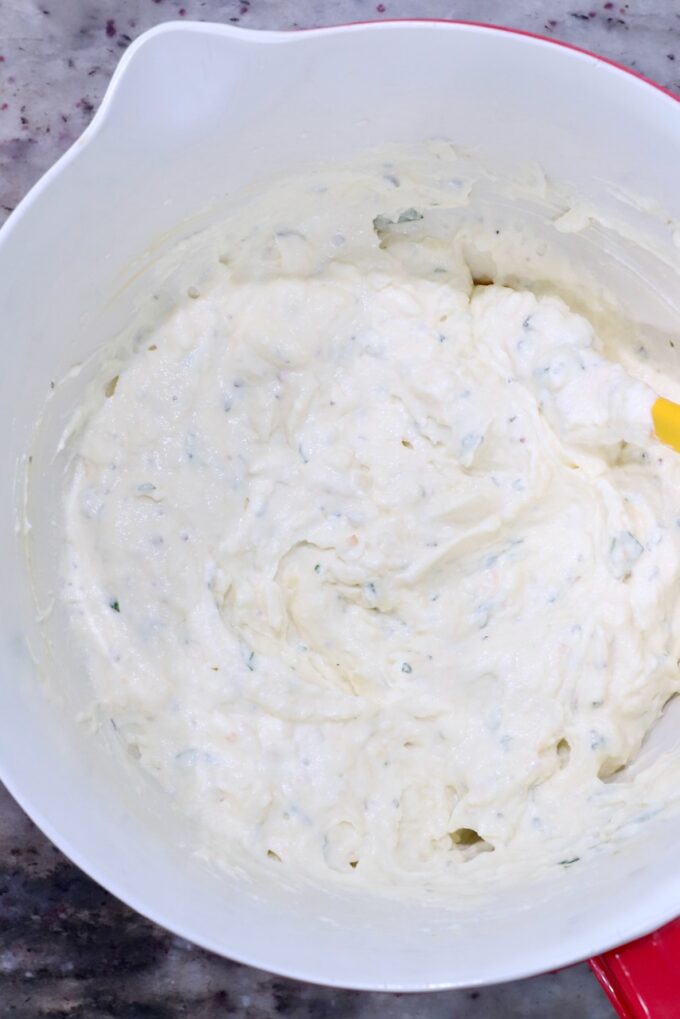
374 561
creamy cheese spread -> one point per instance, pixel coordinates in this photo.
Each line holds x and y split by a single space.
374 563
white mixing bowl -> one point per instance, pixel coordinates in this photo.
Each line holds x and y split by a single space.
194 112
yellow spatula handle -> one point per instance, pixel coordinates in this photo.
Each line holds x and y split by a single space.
666 418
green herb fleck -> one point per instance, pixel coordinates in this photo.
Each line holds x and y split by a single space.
382 222
405 667
317 568
624 551
568 863
410 216
465 837
114 605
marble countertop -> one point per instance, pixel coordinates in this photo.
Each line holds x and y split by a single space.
68 950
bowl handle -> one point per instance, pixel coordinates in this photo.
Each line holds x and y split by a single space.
642 978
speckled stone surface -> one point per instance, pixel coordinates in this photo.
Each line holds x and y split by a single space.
67 948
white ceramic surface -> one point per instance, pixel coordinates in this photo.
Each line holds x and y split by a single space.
193 113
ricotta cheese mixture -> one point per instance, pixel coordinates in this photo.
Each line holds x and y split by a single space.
374 563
